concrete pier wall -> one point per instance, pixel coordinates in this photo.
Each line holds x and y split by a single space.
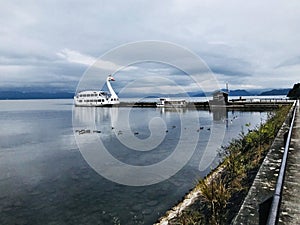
265 181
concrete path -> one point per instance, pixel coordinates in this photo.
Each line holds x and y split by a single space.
290 205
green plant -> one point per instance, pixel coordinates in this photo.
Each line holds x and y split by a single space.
230 181
216 194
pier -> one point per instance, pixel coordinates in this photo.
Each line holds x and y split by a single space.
289 212
274 197
240 104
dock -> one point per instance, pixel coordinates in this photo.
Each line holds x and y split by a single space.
239 104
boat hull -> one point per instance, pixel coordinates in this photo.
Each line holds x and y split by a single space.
168 103
94 105
95 99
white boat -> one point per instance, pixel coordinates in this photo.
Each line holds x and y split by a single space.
166 102
97 98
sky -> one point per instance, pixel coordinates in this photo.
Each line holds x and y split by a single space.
50 44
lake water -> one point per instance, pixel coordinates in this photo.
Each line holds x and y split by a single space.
46 166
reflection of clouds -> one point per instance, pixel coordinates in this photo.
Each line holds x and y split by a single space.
141 130
156 125
110 123
15 127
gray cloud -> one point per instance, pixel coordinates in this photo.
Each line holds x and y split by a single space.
289 62
248 44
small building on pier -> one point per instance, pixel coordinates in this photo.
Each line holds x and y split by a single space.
219 98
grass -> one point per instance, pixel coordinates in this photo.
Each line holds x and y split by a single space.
222 192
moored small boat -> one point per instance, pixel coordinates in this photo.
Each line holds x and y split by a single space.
166 102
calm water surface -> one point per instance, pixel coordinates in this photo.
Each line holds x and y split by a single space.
44 178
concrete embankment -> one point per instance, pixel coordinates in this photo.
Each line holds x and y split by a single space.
265 181
206 105
290 203
263 186
202 105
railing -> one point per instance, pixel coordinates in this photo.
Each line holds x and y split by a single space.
274 211
275 100
262 100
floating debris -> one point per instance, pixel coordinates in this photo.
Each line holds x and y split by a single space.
87 131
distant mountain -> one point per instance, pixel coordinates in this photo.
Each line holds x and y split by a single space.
276 92
34 95
197 94
240 92
237 92
56 94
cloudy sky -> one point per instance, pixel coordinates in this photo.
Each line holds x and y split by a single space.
50 44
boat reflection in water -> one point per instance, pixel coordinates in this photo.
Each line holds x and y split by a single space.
171 110
90 117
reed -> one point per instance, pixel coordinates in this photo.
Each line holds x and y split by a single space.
222 193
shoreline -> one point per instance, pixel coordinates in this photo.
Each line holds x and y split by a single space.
190 199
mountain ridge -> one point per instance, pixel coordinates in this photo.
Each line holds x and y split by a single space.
19 94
